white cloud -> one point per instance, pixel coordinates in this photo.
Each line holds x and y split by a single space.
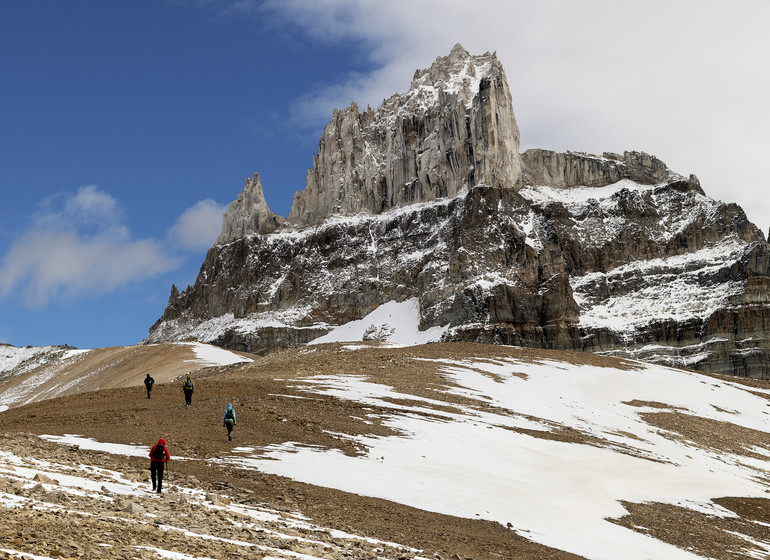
89 208
198 226
91 202
75 248
682 80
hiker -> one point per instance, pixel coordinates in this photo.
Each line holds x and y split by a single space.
159 456
148 382
228 421
188 388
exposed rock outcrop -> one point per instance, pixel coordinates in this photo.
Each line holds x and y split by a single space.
572 169
429 199
454 128
248 214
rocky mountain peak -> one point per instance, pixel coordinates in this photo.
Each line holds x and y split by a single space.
458 73
453 129
578 169
248 214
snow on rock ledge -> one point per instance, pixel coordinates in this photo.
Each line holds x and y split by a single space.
394 322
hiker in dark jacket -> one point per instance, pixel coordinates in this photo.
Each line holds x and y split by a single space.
228 421
159 456
188 389
148 382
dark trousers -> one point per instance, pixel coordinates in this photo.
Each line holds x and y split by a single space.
149 390
229 426
188 396
156 471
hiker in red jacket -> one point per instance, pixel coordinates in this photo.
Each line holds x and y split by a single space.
159 456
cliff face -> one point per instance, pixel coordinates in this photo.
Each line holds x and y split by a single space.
574 169
428 198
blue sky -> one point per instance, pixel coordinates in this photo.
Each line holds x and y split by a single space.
127 127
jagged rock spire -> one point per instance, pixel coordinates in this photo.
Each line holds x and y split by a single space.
454 128
248 214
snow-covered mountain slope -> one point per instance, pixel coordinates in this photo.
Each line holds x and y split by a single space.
395 323
34 374
558 451
427 197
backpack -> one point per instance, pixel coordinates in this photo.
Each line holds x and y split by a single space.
230 414
158 453
188 384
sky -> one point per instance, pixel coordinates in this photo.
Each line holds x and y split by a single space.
127 128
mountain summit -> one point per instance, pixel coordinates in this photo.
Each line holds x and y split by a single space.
422 215
454 128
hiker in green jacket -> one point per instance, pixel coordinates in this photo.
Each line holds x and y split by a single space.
188 389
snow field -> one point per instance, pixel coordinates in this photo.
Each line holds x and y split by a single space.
474 464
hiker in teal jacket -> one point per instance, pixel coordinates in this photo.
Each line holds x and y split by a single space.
228 421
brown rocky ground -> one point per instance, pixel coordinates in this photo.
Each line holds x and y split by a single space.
707 535
263 393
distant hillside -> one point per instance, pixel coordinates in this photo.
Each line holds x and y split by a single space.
435 451
37 373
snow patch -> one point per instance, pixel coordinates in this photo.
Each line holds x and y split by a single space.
214 356
20 361
25 359
579 195
93 445
394 322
